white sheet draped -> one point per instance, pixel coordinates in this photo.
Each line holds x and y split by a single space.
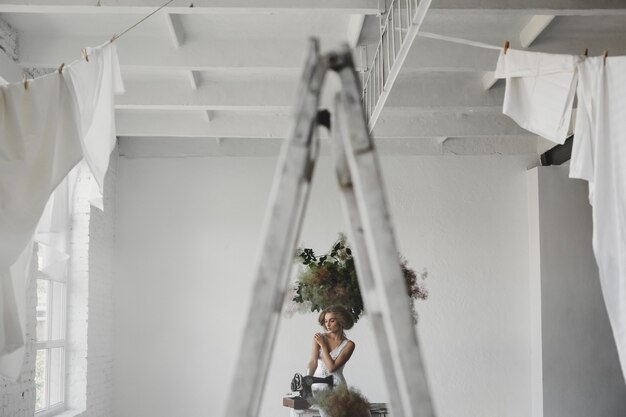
45 130
599 156
539 97
539 91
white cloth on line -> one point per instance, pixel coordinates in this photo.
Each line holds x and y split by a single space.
599 156
39 145
42 136
13 284
53 231
94 85
539 91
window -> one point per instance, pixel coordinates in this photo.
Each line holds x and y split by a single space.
51 342
62 246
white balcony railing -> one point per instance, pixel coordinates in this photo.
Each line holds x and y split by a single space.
399 27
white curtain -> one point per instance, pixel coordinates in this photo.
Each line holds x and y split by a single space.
45 130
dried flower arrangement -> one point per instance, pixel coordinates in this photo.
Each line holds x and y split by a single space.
331 279
342 401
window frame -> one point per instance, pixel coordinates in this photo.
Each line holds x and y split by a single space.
49 344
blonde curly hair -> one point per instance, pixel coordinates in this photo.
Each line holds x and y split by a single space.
344 317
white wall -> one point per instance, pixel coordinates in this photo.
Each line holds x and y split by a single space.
580 370
187 231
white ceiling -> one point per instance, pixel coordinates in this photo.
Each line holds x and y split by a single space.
227 70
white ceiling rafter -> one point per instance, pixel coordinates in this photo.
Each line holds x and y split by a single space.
273 125
530 7
194 79
175 26
535 26
197 55
355 26
229 69
144 7
416 92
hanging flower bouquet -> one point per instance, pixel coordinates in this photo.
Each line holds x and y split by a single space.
331 279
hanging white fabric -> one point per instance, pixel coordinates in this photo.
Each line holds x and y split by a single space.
39 145
13 284
539 91
45 130
599 156
95 83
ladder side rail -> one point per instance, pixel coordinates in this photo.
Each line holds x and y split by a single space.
364 271
282 224
382 252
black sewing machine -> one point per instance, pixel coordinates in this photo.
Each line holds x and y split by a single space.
302 384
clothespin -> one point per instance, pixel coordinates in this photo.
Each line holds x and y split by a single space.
61 67
85 55
606 55
506 46
586 52
114 37
25 81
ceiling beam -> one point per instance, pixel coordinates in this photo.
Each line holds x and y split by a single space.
424 91
281 56
488 80
197 55
267 125
175 26
260 94
194 79
144 7
355 26
526 7
175 147
445 124
190 124
533 29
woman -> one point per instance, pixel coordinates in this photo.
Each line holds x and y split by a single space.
331 349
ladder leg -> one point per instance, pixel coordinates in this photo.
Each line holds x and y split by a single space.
381 250
364 271
278 240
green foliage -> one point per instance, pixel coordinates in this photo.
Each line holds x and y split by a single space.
332 279
342 401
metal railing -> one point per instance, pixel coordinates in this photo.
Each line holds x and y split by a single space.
399 27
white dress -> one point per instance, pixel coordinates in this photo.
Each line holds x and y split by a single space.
322 372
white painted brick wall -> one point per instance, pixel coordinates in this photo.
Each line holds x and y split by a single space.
100 333
89 349
8 40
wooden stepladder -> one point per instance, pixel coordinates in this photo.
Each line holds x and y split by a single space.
376 257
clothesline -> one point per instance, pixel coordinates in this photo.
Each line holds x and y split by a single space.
115 37
483 45
458 40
